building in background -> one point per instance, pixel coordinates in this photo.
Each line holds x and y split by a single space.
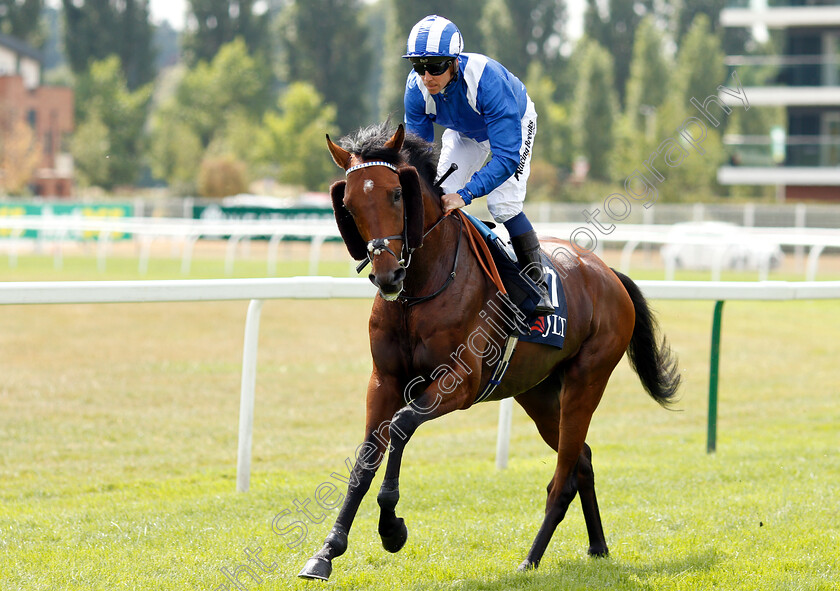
47 110
801 158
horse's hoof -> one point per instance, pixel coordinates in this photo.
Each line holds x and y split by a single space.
600 552
527 565
394 542
316 568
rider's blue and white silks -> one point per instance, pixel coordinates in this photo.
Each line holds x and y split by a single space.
486 111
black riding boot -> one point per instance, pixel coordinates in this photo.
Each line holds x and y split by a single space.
527 249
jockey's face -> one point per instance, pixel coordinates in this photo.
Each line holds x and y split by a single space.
434 84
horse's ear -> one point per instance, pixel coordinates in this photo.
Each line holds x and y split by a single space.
396 141
413 199
339 154
349 232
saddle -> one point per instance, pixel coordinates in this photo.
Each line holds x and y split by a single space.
521 290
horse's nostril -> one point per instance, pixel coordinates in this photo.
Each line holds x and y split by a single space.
372 278
399 275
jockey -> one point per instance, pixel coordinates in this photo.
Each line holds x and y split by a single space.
486 112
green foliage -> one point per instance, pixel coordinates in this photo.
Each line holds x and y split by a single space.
215 107
97 29
91 149
521 32
22 19
649 73
219 22
232 79
595 107
291 142
175 154
698 73
553 143
646 91
103 97
700 61
222 176
327 45
686 12
615 30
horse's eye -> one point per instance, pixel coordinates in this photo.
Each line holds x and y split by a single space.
397 194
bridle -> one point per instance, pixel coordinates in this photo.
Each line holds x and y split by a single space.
377 246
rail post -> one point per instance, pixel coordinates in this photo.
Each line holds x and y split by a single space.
714 364
246 396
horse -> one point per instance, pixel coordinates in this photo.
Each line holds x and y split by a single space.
433 298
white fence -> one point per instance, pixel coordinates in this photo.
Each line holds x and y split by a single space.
257 290
57 231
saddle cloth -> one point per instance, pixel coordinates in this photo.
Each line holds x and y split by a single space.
546 330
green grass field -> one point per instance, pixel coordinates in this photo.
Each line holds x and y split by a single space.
118 427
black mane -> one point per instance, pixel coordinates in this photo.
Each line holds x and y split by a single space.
368 143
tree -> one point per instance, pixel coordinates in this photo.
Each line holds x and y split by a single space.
686 11
553 142
22 19
538 27
647 84
595 107
97 29
700 61
176 160
20 155
327 45
215 23
214 108
646 92
616 30
697 75
103 94
207 92
91 149
292 140
222 176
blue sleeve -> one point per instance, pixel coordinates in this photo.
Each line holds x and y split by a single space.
497 100
416 119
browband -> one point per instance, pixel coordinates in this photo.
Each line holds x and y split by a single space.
366 164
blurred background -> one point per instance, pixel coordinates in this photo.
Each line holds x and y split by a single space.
209 98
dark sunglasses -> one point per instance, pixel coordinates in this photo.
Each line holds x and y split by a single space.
435 69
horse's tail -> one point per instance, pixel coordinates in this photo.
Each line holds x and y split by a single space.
650 357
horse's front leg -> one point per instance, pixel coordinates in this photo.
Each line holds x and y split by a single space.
380 408
431 404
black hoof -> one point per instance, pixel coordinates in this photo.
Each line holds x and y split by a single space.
316 568
395 541
527 565
601 552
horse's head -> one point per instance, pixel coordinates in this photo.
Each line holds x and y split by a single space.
379 210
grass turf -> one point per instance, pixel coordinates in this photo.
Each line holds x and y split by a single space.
118 456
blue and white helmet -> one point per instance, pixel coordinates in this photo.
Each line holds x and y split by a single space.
434 36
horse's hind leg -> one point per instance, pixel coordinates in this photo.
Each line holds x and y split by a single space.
589 504
584 382
542 404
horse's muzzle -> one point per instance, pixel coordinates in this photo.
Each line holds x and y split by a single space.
390 283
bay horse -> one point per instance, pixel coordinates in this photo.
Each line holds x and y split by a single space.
433 298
